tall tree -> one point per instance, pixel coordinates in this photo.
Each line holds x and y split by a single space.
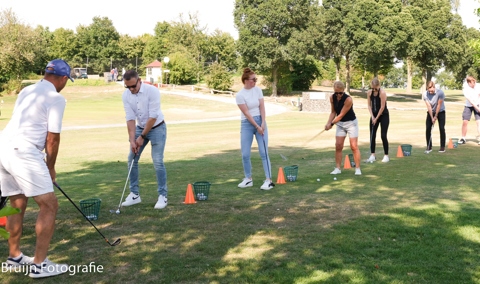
220 47
265 29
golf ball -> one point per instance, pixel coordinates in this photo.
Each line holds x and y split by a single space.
118 211
334 178
318 179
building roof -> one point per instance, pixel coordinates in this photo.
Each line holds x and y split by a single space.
155 63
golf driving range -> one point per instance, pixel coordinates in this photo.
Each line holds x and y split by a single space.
414 219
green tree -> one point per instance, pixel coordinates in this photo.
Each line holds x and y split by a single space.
183 68
265 29
19 46
219 78
220 47
157 46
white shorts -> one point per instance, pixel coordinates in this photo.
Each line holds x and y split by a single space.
23 171
350 127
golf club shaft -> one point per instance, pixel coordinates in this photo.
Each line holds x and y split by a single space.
55 183
266 157
431 133
126 182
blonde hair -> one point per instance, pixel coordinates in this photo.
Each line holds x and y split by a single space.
339 84
375 82
247 72
471 79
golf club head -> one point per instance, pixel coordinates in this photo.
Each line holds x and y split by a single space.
117 242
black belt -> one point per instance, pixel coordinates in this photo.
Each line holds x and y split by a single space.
163 121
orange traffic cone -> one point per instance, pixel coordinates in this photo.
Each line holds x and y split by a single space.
347 164
189 199
3 221
450 144
281 177
399 152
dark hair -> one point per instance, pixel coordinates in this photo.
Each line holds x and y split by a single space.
247 72
130 74
430 84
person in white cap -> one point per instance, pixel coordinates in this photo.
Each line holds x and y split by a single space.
25 171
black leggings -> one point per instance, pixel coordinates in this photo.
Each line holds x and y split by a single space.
384 120
441 124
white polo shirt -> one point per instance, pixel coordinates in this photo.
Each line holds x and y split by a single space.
143 105
39 109
250 98
471 93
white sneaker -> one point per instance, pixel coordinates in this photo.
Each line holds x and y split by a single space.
47 269
132 199
371 159
358 172
267 185
246 183
462 141
19 261
386 159
428 151
336 171
161 203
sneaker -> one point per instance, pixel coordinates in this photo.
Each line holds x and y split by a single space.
428 151
132 199
19 261
462 141
371 159
267 185
161 203
246 182
358 172
47 269
442 150
336 171
386 159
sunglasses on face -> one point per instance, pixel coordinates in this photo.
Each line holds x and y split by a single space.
132 86
338 93
254 79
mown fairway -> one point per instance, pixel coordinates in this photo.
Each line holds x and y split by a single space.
413 220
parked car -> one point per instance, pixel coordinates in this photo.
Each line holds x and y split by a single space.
79 73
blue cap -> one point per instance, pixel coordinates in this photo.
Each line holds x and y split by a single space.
60 68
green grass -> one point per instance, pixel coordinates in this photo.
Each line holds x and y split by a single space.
416 218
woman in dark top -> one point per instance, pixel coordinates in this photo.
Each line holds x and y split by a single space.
343 116
377 106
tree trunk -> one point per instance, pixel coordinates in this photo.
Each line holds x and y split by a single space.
347 67
409 74
363 78
375 74
429 75
275 80
424 81
337 67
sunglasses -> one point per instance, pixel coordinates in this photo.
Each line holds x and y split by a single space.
254 79
132 86
338 93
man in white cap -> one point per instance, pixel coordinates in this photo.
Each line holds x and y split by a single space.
26 171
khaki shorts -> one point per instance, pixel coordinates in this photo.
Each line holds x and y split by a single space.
350 127
23 171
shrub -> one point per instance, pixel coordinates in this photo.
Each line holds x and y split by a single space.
219 78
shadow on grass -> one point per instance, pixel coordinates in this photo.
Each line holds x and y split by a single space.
413 222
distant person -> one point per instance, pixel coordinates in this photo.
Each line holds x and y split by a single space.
26 171
115 74
123 72
142 103
471 91
434 99
112 75
253 123
377 106
343 116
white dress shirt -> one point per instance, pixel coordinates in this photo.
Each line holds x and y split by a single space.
143 105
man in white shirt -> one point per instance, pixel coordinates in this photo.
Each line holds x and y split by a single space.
471 92
35 126
142 103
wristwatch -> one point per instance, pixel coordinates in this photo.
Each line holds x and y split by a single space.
332 124
143 136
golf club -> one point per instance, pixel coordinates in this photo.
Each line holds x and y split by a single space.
126 182
430 143
118 241
266 154
3 201
370 149
295 151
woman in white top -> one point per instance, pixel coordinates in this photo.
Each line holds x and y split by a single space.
251 103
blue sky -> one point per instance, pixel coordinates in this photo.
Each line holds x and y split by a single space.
136 18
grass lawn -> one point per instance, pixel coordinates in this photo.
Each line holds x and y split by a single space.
412 220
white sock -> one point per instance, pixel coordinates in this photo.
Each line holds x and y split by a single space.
18 257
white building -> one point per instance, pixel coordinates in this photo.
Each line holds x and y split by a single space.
154 71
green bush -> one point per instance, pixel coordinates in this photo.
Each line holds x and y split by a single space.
13 86
88 82
182 68
219 78
7 211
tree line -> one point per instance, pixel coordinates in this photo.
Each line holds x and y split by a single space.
291 42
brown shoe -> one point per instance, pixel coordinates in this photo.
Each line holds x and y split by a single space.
442 150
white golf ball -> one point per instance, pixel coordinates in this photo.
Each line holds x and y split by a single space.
318 179
118 211
334 178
